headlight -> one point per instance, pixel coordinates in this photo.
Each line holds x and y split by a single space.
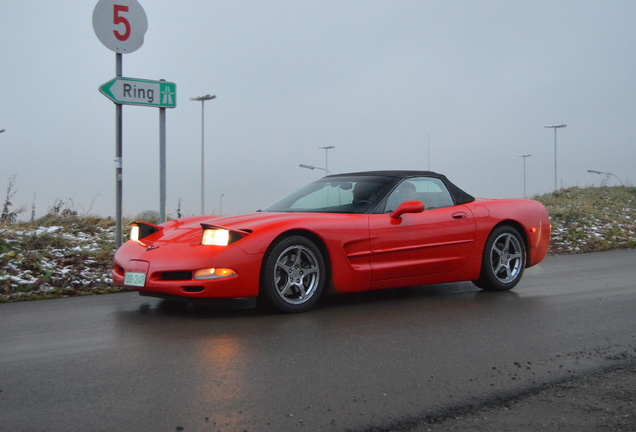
134 232
139 230
215 237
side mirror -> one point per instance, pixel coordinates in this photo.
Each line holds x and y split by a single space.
408 207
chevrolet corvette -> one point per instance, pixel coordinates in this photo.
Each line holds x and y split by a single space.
342 233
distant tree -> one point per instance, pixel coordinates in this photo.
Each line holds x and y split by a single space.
33 209
150 216
179 208
8 215
62 209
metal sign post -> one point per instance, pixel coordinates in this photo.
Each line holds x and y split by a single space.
118 160
162 164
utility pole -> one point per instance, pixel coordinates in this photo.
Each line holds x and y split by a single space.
555 127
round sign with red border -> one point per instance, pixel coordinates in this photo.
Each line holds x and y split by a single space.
120 24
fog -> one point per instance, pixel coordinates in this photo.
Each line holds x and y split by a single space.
461 88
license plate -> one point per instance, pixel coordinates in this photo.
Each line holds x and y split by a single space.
135 279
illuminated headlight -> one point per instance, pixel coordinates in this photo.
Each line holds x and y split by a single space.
134 232
139 230
213 273
218 236
215 237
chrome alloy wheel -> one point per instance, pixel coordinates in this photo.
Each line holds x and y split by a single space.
296 274
506 258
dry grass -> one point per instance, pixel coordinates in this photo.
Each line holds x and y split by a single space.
591 219
56 257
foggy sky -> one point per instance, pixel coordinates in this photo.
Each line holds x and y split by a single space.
460 87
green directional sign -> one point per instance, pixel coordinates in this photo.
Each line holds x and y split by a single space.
134 91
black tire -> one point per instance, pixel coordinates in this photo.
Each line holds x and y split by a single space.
293 275
504 260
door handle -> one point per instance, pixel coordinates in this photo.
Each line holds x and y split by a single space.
459 215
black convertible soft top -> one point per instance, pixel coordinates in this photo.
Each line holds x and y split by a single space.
459 196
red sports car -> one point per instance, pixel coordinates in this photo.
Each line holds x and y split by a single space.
342 233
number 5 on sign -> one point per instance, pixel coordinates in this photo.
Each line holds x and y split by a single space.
120 18
120 24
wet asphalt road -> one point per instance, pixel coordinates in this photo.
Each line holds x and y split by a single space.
358 362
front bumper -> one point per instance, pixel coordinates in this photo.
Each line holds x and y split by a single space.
169 270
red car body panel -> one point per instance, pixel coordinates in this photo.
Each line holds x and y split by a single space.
362 251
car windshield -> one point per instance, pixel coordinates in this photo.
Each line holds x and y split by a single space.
336 195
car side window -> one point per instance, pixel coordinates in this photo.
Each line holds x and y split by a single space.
429 190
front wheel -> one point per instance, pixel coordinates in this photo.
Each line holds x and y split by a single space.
503 261
293 275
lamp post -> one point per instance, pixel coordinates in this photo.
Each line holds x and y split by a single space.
428 149
221 204
311 167
524 156
607 174
555 127
202 99
326 149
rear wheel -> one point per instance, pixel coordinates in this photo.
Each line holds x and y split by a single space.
503 261
293 275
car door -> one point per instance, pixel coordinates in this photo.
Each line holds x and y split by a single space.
438 240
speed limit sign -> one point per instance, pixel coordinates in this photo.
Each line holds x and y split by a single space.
120 24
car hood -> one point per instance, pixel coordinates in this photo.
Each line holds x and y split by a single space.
246 222
189 228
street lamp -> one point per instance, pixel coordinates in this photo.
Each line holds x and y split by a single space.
221 204
326 149
524 156
555 127
606 173
311 167
202 99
